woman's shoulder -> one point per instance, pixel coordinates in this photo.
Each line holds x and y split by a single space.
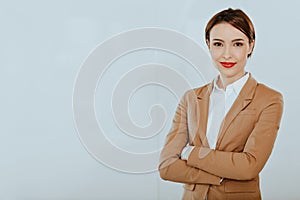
198 91
193 94
267 91
267 94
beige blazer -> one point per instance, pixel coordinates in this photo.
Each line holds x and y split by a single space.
244 144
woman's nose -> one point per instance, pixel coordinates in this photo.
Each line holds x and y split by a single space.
227 53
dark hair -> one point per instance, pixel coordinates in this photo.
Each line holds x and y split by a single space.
235 17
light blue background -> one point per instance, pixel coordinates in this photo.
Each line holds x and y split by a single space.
43 44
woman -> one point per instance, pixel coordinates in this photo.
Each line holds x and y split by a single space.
223 133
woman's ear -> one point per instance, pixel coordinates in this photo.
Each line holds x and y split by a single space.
251 47
207 43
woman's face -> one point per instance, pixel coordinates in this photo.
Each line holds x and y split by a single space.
229 48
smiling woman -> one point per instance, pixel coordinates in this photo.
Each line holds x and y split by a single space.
223 132
230 37
229 50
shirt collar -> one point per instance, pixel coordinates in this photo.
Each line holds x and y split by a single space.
236 86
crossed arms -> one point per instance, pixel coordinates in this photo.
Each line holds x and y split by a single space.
207 166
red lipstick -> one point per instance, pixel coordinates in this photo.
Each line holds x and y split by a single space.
227 64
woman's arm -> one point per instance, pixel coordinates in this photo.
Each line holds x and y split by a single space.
171 167
247 164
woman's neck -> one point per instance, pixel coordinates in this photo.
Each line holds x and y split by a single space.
223 81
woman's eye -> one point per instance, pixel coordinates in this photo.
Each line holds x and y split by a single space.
238 44
218 44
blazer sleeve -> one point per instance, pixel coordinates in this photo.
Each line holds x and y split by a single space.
171 167
247 164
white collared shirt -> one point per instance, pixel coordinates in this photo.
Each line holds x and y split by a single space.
219 104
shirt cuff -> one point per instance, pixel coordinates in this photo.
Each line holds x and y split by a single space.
186 151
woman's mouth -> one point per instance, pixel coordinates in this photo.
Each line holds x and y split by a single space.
227 64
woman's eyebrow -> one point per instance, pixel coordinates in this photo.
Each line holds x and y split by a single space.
234 40
238 39
216 39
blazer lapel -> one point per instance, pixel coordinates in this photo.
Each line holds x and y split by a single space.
203 105
243 99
